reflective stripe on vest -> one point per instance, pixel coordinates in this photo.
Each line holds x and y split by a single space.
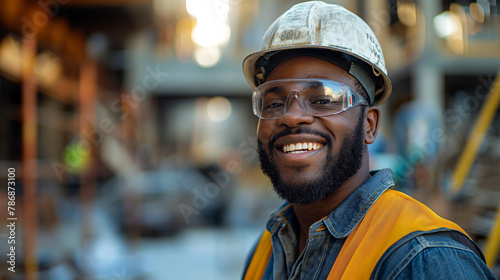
366 244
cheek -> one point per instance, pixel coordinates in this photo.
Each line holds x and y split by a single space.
264 130
337 128
341 125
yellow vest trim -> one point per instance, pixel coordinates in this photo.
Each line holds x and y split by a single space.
366 244
379 230
260 258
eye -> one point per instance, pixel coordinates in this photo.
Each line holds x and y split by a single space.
273 100
322 101
325 103
274 105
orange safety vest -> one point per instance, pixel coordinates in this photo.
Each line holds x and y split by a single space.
393 216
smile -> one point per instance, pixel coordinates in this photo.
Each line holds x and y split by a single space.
301 147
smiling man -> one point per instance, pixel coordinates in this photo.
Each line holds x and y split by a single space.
317 79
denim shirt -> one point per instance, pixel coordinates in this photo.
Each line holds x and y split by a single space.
437 254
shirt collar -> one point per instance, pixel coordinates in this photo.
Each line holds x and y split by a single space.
283 215
341 221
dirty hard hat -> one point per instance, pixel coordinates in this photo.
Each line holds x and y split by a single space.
329 32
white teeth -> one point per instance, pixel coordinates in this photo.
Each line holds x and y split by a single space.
301 147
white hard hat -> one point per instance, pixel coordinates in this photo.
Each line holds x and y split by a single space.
329 32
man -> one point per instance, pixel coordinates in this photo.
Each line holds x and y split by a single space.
317 80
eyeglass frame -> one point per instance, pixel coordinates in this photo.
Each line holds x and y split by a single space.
361 101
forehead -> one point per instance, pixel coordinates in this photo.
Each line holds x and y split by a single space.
303 67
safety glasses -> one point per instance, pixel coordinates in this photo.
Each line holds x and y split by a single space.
317 97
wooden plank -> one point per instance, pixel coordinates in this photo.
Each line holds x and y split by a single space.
29 142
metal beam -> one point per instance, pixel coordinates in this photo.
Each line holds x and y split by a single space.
490 107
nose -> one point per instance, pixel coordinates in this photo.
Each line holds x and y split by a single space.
294 113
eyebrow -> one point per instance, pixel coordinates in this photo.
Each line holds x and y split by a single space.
276 89
314 85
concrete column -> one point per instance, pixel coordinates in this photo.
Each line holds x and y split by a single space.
428 85
428 78
430 9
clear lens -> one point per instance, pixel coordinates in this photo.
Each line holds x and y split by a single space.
317 97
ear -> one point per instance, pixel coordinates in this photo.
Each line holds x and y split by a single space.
372 121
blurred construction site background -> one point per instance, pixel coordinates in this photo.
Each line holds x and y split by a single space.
126 127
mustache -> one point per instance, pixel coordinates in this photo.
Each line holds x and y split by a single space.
299 130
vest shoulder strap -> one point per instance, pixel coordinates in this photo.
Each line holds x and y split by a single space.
393 216
260 258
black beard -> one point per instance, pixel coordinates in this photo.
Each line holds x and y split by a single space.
332 175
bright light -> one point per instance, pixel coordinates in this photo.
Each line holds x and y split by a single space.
446 24
219 109
195 7
215 9
207 56
212 29
221 7
209 33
